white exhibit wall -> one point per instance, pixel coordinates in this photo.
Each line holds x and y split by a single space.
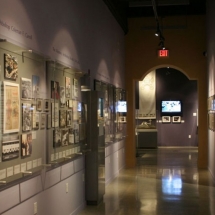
211 77
79 34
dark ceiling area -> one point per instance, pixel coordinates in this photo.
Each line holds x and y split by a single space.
125 9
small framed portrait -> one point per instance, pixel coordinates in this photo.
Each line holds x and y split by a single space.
39 104
62 118
64 137
26 88
42 120
35 86
46 105
68 87
62 96
166 119
10 67
55 90
26 117
56 138
176 119
69 118
26 145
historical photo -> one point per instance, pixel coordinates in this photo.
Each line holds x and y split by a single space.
64 137
71 136
26 88
26 145
42 120
55 114
62 118
62 96
35 86
26 117
10 147
76 132
11 107
55 90
46 105
35 118
68 86
56 138
39 104
75 88
70 103
69 118
11 67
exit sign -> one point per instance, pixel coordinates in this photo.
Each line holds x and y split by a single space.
163 53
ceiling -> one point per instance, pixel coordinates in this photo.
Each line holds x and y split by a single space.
124 9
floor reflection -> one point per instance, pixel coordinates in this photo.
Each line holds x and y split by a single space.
166 181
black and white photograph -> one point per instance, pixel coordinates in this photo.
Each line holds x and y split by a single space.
166 119
69 118
42 120
11 67
71 136
26 145
35 119
26 88
56 138
75 88
46 105
62 118
64 137
48 121
176 119
39 104
68 86
10 147
55 114
62 96
76 132
35 86
26 117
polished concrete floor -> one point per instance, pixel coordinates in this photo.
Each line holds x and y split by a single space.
166 181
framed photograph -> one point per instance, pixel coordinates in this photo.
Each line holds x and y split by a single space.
62 118
68 87
70 103
166 119
10 147
35 118
76 132
62 96
11 108
39 104
26 88
42 120
26 145
64 137
26 117
211 121
35 86
10 67
69 118
56 138
71 136
55 114
75 88
48 121
46 105
176 119
55 90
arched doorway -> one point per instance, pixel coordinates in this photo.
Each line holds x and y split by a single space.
170 105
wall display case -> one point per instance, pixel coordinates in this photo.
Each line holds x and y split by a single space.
22 142
62 87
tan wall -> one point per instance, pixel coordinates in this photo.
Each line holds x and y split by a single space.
185 37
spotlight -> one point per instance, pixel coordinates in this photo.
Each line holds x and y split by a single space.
157 33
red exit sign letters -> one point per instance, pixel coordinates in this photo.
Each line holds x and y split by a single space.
163 53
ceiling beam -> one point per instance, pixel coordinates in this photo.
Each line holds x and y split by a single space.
147 3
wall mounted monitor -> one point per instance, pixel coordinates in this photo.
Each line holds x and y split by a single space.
171 107
121 107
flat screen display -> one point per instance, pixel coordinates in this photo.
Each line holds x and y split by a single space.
171 106
121 107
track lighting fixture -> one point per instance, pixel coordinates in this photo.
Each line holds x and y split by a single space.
157 33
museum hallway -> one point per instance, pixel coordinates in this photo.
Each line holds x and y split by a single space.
166 181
